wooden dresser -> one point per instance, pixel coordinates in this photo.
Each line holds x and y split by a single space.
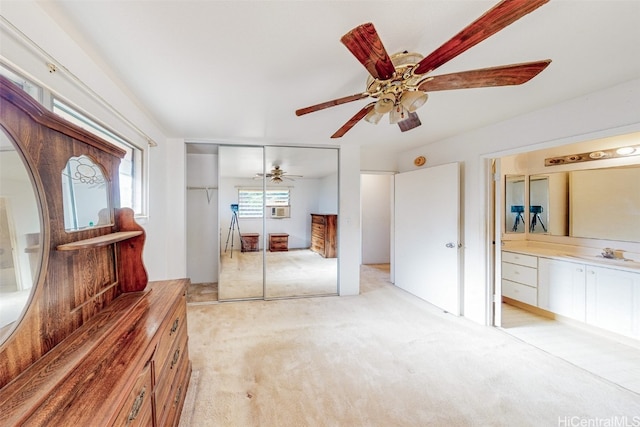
96 344
128 365
324 228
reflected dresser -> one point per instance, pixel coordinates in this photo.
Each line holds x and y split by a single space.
324 229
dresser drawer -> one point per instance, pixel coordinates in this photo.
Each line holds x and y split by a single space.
521 259
520 292
137 408
168 381
175 398
318 219
520 274
175 326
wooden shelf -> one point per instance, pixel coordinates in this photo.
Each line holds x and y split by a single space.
95 242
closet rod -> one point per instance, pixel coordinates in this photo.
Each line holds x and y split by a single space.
203 188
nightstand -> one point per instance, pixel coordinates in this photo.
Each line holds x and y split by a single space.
278 242
250 242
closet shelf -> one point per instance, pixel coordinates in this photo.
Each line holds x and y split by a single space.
95 242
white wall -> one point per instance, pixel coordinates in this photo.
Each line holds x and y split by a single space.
376 202
202 218
349 221
604 113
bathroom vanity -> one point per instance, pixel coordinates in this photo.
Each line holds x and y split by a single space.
601 292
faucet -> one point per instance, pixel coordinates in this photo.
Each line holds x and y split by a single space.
608 253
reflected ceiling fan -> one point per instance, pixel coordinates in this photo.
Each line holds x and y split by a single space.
277 175
400 83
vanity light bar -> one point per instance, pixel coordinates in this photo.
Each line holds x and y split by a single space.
594 155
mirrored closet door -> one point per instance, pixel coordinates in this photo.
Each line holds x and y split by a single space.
295 264
241 270
278 222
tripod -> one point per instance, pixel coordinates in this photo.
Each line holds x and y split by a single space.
517 209
536 210
232 227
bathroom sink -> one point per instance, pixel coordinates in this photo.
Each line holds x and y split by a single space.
602 260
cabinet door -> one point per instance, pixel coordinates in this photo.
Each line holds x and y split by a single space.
561 288
613 300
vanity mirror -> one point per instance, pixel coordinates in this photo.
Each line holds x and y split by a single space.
514 204
85 195
20 235
592 203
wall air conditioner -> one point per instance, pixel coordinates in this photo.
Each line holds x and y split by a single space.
279 211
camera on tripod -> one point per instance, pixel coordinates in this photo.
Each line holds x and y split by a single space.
232 227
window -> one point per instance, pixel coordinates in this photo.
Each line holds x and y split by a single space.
130 176
250 201
132 189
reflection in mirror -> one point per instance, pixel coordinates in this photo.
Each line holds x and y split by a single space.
605 203
538 204
548 197
85 195
292 267
20 236
241 236
593 203
514 204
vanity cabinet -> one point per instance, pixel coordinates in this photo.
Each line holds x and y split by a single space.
520 277
324 230
608 298
562 288
613 300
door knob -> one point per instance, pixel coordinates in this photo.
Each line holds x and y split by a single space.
450 245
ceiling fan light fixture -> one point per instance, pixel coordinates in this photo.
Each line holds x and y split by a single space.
397 114
412 100
373 116
384 104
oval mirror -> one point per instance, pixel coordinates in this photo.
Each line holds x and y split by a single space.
20 236
85 195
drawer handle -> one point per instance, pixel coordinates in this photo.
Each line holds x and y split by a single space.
174 327
176 356
178 395
137 404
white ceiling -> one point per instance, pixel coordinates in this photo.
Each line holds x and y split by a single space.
235 71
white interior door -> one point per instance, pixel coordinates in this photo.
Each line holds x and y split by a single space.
427 235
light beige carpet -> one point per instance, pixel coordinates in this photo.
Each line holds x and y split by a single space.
299 272
383 358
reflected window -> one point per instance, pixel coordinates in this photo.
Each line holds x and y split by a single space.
85 195
250 201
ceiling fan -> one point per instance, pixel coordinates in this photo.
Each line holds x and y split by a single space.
277 175
400 83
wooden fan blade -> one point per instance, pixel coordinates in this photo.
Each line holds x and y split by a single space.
332 103
495 19
353 120
363 42
506 75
